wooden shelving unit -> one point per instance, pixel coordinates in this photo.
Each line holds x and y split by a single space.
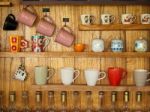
97 27
5 3
74 54
59 87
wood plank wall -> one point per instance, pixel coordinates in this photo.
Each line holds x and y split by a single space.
57 12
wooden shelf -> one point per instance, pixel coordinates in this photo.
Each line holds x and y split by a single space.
114 27
74 54
5 3
88 88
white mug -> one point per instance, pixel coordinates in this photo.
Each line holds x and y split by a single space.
97 45
107 18
42 74
128 19
145 18
93 75
140 77
67 75
87 19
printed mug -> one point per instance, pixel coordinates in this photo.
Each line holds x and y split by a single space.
87 19
46 26
145 18
107 18
117 45
128 19
115 75
39 43
27 16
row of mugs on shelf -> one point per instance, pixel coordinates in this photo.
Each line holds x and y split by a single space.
39 43
69 75
88 19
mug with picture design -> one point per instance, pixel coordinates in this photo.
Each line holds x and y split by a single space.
128 19
87 19
145 18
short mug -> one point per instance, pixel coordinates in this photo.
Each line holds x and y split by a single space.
42 74
39 43
97 45
115 75
46 26
128 18
117 45
107 18
93 75
87 19
68 75
140 77
145 18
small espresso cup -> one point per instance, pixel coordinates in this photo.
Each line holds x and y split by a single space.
93 75
145 18
27 16
115 75
68 75
128 18
10 23
65 36
39 43
87 19
46 26
42 74
107 18
140 77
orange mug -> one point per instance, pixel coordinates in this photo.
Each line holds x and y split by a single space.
79 47
17 43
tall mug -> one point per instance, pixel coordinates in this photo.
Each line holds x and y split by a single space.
42 74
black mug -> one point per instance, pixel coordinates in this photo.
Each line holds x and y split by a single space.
10 23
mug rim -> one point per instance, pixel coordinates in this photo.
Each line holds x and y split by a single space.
140 70
91 69
67 68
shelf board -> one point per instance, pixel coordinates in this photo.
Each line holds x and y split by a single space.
88 88
97 27
74 54
5 3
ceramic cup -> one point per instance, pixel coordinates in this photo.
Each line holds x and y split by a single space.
27 16
65 36
115 75
140 77
145 18
68 75
117 45
97 45
93 75
87 19
141 45
39 43
46 26
42 74
128 18
107 18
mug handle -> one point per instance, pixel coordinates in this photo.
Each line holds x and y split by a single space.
48 18
104 75
149 78
12 16
112 18
30 8
133 19
92 19
76 72
51 73
124 73
67 28
46 42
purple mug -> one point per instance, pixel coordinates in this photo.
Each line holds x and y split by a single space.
26 16
65 37
46 26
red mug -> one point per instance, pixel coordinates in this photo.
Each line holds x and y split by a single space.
115 75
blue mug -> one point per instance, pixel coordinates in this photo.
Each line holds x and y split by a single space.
117 45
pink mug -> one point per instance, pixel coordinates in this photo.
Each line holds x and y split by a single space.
46 26
26 16
65 37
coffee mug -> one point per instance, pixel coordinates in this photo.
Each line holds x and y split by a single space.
93 75
42 74
107 18
65 36
17 43
140 77
46 26
117 45
67 75
27 16
128 19
87 19
115 75
39 43
145 18
10 23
